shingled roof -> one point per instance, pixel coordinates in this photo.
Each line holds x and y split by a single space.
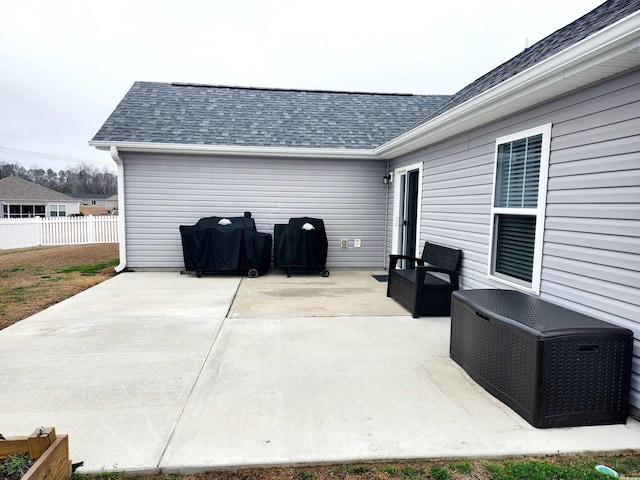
159 114
17 189
601 17
256 117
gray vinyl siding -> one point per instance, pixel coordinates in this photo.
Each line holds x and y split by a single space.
165 191
591 253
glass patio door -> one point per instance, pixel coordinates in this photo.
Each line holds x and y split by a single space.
407 210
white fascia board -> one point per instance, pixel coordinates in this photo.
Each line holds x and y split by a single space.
224 150
534 83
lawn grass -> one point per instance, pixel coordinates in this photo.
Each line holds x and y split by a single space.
36 278
92 269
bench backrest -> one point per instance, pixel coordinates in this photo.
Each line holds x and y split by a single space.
441 256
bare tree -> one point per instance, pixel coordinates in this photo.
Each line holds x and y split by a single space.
82 179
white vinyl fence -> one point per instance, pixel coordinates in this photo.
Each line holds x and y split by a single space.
34 232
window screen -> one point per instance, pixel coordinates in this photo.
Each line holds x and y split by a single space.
521 166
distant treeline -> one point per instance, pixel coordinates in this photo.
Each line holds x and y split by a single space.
82 179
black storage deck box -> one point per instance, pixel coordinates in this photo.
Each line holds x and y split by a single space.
301 245
225 245
555 367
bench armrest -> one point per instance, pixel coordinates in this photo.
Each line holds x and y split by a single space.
393 260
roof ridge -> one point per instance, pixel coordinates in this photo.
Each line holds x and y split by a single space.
592 22
302 90
174 113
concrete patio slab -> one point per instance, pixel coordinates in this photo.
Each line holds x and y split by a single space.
314 390
150 371
113 366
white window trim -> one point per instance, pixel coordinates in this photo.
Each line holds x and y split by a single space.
539 211
57 209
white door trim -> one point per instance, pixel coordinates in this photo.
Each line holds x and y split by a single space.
398 204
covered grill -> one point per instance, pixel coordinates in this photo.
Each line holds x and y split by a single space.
301 245
226 245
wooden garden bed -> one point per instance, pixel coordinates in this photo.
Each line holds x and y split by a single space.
51 453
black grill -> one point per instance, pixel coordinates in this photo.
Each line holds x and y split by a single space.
225 245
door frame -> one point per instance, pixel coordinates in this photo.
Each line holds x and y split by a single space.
398 204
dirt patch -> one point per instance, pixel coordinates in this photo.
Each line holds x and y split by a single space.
552 467
35 278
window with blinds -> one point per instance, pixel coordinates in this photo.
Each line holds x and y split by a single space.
518 173
517 218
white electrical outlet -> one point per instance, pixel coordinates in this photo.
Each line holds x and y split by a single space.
356 243
343 243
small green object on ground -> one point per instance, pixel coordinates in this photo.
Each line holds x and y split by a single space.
607 471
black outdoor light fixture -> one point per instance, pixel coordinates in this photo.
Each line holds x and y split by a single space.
386 179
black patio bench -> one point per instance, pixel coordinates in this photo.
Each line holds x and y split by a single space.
413 285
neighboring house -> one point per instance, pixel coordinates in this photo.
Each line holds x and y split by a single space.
98 204
92 200
24 199
92 204
533 170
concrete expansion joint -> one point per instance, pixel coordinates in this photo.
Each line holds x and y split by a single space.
233 299
193 386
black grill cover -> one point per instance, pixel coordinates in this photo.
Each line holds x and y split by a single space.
296 247
212 247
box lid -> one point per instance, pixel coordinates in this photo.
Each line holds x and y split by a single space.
541 318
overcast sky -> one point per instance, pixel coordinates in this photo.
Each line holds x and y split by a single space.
65 64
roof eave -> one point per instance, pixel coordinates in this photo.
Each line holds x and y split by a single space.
36 200
229 150
606 53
